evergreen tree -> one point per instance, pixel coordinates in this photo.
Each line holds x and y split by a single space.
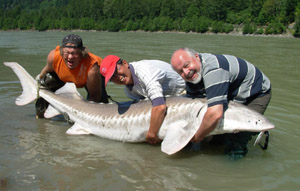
150 15
297 27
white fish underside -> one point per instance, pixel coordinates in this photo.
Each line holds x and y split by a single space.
129 122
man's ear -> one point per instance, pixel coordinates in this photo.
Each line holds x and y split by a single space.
125 63
197 57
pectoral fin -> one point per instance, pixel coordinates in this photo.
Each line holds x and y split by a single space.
77 130
177 137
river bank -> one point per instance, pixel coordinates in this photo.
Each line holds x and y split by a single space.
235 32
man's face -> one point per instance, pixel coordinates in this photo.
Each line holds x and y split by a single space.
188 67
71 56
122 75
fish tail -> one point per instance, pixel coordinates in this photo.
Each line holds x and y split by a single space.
29 84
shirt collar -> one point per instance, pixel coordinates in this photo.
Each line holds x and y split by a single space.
134 77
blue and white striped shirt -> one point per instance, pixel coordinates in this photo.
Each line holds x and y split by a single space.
154 79
227 77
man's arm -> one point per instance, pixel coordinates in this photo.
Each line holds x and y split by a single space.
157 117
94 84
49 66
209 123
150 79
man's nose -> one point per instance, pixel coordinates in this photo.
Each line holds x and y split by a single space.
186 71
70 55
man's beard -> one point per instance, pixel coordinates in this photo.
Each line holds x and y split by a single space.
197 79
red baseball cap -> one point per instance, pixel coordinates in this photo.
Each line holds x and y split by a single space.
108 67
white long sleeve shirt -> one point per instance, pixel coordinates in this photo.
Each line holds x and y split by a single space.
154 79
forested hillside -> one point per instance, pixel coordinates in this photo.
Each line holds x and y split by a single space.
254 16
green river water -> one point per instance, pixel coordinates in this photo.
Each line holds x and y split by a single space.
36 154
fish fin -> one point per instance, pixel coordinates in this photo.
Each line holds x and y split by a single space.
177 137
51 112
258 138
70 90
261 135
77 130
29 85
25 98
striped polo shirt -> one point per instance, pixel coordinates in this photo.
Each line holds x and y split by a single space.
153 79
227 77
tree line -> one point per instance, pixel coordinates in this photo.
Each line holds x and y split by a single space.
218 16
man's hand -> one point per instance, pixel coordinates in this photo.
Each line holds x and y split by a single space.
157 117
209 122
152 138
37 78
195 139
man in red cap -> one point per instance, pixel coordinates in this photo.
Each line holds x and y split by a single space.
71 62
153 79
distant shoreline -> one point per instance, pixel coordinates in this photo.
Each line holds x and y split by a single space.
236 32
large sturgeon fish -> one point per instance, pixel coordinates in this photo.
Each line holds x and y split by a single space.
129 121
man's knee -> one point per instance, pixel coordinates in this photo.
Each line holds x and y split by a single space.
40 107
236 144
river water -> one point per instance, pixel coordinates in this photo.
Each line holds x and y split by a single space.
36 154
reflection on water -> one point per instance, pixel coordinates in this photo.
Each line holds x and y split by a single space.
36 154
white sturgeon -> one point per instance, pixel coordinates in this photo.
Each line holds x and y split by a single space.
129 121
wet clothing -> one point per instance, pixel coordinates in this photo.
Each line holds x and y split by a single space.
227 78
77 75
236 143
153 79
